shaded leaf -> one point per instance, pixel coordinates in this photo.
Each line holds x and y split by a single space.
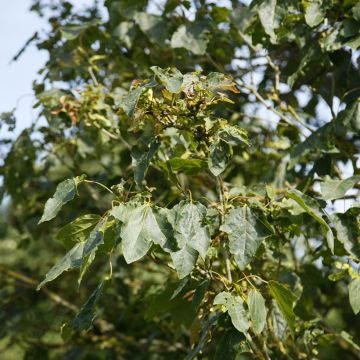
312 207
153 26
192 236
347 228
220 153
286 299
141 160
85 317
78 230
77 255
246 231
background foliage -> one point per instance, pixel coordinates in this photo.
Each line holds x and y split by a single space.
209 214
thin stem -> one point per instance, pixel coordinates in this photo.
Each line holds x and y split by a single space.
29 281
99 184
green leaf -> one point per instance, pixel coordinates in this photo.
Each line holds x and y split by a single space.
188 166
153 26
257 310
192 236
231 344
220 81
64 193
77 255
312 207
126 33
267 16
356 12
233 133
278 320
71 32
246 231
286 299
206 325
336 189
191 37
235 307
354 295
85 317
128 101
220 153
141 159
348 120
78 230
142 226
315 11
347 228
171 78
200 293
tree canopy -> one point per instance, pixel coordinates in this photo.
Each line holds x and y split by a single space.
190 189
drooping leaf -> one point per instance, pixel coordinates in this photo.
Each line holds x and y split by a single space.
191 37
246 231
64 193
285 299
77 255
141 160
312 207
85 317
141 228
78 230
257 310
354 295
336 189
235 307
192 236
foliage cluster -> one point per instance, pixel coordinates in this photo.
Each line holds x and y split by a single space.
189 173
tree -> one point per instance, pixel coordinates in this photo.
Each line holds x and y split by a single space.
187 171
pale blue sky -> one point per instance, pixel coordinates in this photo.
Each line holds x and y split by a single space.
17 24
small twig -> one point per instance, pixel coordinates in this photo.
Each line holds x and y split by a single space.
29 281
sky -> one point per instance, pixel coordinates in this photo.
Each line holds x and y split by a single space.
17 25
